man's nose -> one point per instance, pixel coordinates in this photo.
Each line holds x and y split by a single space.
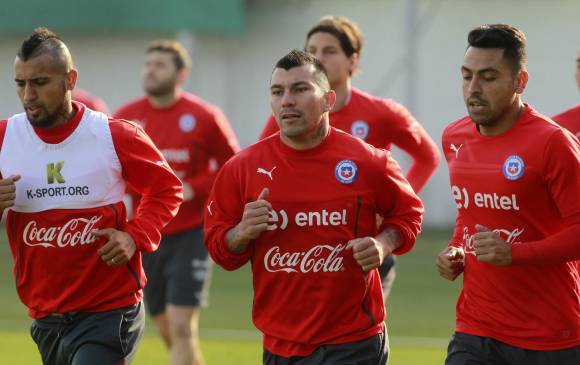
288 99
29 93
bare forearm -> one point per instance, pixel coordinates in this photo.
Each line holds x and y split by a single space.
236 244
390 238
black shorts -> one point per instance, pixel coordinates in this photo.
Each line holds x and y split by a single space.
178 272
465 349
89 338
371 351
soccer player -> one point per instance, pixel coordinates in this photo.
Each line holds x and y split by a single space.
64 167
337 42
196 139
91 101
514 178
570 119
301 206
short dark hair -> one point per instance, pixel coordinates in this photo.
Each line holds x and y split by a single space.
504 36
180 56
298 58
39 42
345 30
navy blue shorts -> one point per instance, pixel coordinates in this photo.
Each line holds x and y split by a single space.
371 351
465 349
178 273
89 338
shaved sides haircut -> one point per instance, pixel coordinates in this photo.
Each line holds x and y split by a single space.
43 41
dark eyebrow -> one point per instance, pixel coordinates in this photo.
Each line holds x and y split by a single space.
34 79
488 69
299 83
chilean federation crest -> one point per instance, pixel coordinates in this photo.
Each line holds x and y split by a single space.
513 167
346 171
187 122
360 129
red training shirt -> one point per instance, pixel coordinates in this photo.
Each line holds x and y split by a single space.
308 290
523 185
191 134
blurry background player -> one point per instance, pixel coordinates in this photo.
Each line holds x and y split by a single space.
77 258
337 42
196 139
570 119
514 177
91 101
301 207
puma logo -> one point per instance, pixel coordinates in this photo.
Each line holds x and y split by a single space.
209 207
266 172
456 149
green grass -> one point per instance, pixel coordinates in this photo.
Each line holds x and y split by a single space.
420 315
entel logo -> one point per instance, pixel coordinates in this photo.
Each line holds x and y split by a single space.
307 219
484 200
275 218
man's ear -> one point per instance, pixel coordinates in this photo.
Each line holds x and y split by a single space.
521 81
330 100
71 79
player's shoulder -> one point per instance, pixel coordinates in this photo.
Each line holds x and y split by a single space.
569 114
375 103
258 151
132 107
354 146
461 126
197 104
575 110
123 128
538 125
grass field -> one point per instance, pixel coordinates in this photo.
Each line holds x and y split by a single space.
420 315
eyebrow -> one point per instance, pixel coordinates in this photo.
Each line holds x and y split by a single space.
299 83
33 79
484 70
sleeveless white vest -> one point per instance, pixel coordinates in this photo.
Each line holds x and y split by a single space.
83 171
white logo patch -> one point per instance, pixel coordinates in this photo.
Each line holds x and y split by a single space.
360 129
266 172
346 171
187 123
455 149
513 167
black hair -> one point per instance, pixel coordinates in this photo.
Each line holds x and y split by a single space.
503 36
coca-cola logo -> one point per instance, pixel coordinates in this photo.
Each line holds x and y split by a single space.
76 231
319 258
506 234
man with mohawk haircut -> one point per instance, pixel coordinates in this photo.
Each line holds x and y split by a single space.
64 169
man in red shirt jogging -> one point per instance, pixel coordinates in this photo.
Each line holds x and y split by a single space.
337 42
64 169
301 206
514 178
196 139
570 118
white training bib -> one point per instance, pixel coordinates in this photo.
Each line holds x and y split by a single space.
83 171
